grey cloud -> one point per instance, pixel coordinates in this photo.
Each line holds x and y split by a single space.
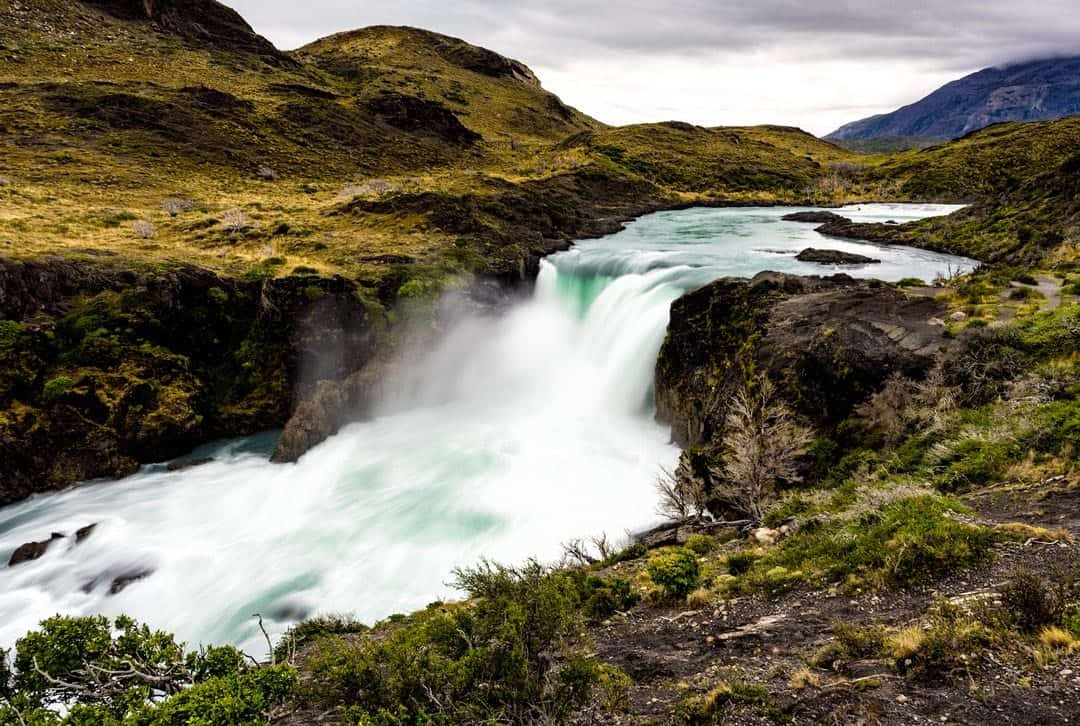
938 39
550 33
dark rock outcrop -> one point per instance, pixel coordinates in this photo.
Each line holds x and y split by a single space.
205 21
834 257
827 342
817 217
203 357
421 116
513 226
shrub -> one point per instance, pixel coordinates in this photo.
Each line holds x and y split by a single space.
911 282
314 628
507 656
105 673
708 708
701 544
739 563
235 220
1031 601
304 270
1055 638
603 598
851 642
676 570
951 638
763 446
1072 624
217 296
242 697
175 206
633 552
57 387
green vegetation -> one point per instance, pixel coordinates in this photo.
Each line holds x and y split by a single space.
901 544
512 652
676 570
123 672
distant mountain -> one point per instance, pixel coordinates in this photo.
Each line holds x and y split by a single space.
1033 91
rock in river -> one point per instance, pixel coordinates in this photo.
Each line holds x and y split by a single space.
818 217
834 257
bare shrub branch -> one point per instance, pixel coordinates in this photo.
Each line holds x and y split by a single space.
762 446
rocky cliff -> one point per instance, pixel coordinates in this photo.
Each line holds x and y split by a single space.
104 366
828 343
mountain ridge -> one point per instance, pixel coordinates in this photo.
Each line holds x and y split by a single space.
1034 90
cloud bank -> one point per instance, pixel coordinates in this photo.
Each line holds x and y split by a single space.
811 64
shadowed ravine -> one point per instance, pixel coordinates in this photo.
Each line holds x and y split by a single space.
516 435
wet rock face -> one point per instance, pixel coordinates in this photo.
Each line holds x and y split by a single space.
827 342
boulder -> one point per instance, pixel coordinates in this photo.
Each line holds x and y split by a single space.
184 464
32 550
767 535
834 257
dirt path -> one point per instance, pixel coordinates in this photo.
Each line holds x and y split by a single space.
1050 288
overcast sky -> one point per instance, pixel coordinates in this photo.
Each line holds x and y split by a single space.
810 63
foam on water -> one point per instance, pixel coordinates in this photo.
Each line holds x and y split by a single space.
521 433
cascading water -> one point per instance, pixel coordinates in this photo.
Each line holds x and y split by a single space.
518 434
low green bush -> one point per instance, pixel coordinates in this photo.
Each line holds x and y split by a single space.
603 598
56 387
851 642
676 570
701 544
633 552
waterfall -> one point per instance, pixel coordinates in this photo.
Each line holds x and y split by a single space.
514 436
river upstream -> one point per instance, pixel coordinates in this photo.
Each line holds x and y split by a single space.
522 433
